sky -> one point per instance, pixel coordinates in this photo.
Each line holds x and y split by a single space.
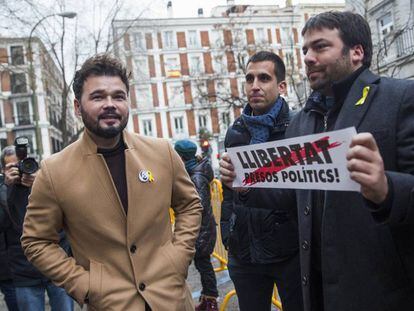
189 8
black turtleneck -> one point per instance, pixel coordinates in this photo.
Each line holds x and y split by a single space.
115 160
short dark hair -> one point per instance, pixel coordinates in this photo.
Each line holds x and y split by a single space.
279 65
7 151
99 65
353 30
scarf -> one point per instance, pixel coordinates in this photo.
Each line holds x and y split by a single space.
260 127
190 164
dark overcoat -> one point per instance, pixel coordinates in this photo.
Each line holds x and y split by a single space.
367 252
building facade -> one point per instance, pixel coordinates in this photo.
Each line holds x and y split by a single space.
188 73
21 90
392 26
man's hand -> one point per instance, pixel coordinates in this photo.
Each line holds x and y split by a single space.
228 175
366 167
227 170
11 174
28 179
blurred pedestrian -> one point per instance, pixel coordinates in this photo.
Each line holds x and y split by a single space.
201 174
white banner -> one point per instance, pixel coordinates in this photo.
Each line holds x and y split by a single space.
315 161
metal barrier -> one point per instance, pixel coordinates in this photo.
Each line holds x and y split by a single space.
220 253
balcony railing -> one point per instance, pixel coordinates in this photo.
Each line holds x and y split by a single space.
398 44
405 42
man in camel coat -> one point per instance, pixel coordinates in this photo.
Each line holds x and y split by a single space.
111 191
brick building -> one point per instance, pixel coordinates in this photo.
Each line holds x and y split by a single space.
188 73
17 115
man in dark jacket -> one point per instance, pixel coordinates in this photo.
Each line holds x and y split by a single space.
357 248
262 241
6 282
30 283
201 175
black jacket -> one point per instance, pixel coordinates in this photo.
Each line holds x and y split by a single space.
258 227
201 176
367 251
23 272
4 261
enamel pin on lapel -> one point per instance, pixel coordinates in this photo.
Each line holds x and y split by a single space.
145 176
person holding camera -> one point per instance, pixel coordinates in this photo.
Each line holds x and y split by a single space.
30 284
6 282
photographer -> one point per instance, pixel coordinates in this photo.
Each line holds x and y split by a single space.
29 282
6 282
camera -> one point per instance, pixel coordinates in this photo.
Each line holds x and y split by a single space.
26 165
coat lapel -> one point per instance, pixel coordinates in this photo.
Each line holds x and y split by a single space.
351 114
103 176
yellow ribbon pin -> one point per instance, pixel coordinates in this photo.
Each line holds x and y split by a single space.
150 177
361 101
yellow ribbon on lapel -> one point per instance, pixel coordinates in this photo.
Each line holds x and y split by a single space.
150 177
365 92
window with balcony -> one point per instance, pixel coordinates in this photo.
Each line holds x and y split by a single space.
17 55
172 67
18 83
225 120
217 38
261 38
195 64
193 39
286 36
23 113
139 41
200 92
385 25
179 125
176 94
144 96
169 41
141 67
57 145
147 127
202 121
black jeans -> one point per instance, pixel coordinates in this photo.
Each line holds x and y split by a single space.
254 284
207 274
9 292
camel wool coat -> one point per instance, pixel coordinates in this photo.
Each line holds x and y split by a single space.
120 262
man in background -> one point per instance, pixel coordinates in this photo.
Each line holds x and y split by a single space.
30 284
201 174
260 229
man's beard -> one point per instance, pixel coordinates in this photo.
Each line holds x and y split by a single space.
338 71
109 132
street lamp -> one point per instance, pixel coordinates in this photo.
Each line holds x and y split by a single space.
32 78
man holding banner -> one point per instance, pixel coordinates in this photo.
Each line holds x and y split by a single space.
262 242
357 248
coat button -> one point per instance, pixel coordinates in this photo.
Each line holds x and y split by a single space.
304 280
305 245
306 210
141 286
133 248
